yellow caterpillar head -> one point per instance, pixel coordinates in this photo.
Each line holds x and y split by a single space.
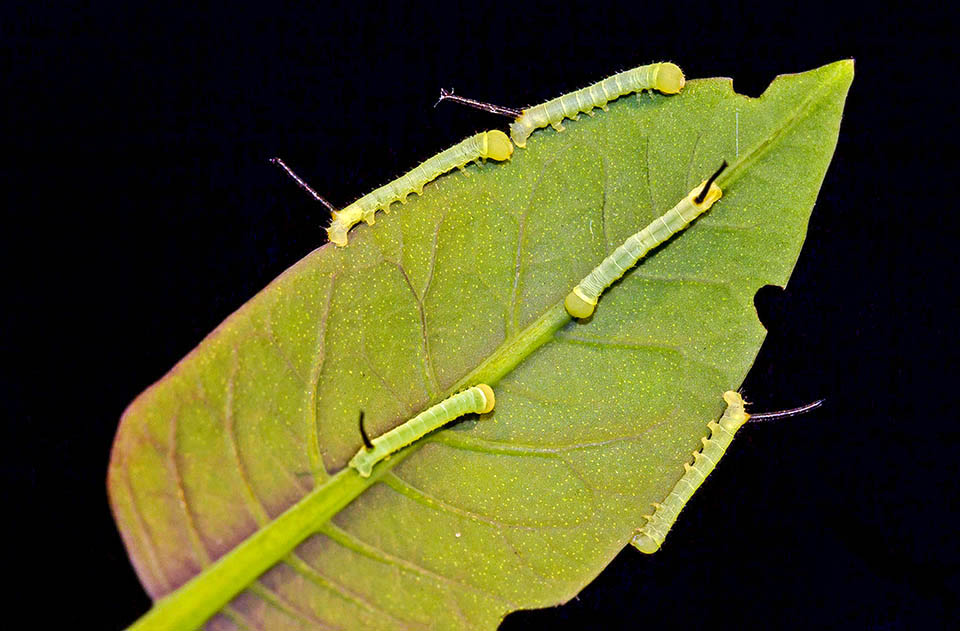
669 78
498 145
578 305
488 397
734 416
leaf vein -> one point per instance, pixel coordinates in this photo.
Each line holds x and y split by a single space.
646 158
276 346
427 362
284 606
517 266
196 541
487 446
254 505
312 574
401 486
158 570
404 488
314 449
433 257
688 184
353 543
383 381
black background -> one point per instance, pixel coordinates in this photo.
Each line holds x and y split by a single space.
141 210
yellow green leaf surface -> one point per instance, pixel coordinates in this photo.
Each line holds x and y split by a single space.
594 419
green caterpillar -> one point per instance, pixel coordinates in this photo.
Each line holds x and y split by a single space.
663 77
582 300
493 145
649 538
477 400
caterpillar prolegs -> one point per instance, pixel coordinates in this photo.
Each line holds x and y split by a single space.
493 145
650 537
477 400
582 300
663 77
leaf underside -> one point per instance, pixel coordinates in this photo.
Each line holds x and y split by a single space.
523 508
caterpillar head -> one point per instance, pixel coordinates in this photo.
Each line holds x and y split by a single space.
734 416
498 145
669 78
645 543
578 305
337 232
487 397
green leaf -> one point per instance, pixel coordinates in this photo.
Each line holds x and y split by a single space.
463 285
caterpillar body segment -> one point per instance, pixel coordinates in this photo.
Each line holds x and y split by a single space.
582 300
650 537
663 77
476 400
493 145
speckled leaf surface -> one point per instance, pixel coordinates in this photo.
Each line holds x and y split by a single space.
524 507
